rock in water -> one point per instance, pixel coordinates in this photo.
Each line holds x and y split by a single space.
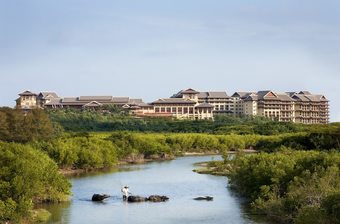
206 198
99 197
152 198
157 198
136 199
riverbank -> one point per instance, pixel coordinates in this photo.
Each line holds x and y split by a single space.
211 168
156 158
131 160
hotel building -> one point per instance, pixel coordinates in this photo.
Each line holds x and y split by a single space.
300 107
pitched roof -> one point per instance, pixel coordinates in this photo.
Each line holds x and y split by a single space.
174 101
267 95
214 94
93 104
300 97
144 105
241 94
291 93
218 94
95 98
251 97
316 98
135 107
203 95
323 98
70 100
204 105
305 93
284 97
135 101
54 101
189 91
27 93
48 95
120 100
310 98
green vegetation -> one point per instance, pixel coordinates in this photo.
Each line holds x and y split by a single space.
27 177
113 120
101 150
40 215
325 137
35 125
290 186
79 152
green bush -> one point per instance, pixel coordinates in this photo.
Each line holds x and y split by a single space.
27 177
290 186
17 126
118 120
331 205
81 152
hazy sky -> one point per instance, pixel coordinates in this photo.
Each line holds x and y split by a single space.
153 48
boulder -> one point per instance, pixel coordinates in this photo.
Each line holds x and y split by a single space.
205 198
152 198
99 197
136 199
157 198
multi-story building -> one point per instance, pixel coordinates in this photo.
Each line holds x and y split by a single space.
95 102
27 100
50 100
248 106
221 102
276 106
184 105
299 107
310 108
238 99
46 97
302 107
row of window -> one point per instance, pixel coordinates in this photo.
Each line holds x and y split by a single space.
28 98
180 110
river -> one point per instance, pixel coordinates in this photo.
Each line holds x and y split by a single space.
174 179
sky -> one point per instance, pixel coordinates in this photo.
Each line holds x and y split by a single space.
151 49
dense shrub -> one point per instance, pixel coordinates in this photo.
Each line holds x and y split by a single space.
118 120
299 186
81 152
19 126
27 177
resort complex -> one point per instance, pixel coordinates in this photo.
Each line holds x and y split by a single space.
299 107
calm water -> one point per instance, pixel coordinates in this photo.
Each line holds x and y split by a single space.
172 178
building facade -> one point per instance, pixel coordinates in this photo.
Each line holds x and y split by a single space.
184 105
310 108
27 100
300 107
221 102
